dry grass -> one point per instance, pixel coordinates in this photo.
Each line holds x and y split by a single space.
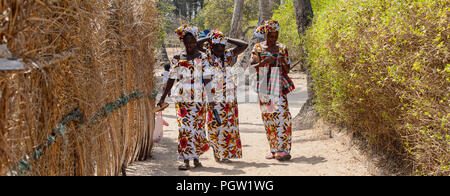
78 55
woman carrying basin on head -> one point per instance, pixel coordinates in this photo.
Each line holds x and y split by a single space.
222 118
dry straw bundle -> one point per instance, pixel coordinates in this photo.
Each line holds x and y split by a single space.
82 105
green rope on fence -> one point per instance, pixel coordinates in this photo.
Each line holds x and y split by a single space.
109 108
153 95
23 164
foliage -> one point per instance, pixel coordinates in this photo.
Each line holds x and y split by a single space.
321 5
165 10
285 14
218 14
381 68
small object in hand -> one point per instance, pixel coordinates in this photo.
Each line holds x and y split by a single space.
217 116
256 59
161 108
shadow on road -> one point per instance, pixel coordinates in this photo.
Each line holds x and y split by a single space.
312 160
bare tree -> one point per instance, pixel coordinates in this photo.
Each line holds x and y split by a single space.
265 10
237 16
188 8
163 57
307 115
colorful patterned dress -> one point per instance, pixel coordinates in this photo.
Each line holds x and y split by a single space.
188 93
272 86
224 137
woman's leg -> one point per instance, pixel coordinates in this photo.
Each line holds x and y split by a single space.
231 132
268 119
225 137
277 122
284 129
200 139
187 138
213 131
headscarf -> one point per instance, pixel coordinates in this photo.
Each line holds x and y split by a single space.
218 37
269 26
183 30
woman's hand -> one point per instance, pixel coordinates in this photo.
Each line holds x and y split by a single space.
268 60
282 60
169 86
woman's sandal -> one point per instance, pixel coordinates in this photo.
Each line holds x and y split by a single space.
226 161
283 156
184 167
217 159
197 164
270 156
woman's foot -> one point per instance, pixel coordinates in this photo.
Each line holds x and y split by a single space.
270 156
226 161
283 156
185 166
217 159
197 164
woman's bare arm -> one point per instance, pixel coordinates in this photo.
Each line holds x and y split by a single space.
240 46
201 42
169 86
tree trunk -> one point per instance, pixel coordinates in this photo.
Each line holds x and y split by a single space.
236 21
265 10
265 13
163 58
307 116
303 15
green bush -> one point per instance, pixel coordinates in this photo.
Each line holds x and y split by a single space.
217 14
381 68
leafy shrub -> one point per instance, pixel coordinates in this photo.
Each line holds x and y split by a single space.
217 14
381 69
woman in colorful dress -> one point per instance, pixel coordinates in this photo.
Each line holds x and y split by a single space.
222 118
272 83
188 75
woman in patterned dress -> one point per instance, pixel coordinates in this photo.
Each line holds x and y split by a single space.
188 74
222 118
271 61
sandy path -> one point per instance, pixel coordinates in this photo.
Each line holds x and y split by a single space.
313 151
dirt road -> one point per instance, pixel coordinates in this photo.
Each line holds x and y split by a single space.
314 153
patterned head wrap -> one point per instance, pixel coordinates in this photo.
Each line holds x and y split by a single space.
270 26
218 37
183 30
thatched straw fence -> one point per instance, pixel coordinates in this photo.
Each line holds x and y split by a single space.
83 104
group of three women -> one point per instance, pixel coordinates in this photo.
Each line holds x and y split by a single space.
203 87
